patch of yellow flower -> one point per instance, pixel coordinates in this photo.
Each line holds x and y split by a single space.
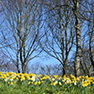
12 78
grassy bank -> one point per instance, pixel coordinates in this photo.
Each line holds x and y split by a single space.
18 83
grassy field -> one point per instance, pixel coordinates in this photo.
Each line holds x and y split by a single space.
18 83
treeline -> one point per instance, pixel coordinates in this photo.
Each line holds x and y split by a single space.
58 27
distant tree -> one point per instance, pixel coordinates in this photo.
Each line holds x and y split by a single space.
45 69
5 64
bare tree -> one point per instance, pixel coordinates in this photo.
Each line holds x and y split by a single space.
86 16
21 33
59 32
88 47
81 12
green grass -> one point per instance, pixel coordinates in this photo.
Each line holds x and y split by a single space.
11 83
23 88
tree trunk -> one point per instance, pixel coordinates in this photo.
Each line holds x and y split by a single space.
78 38
23 67
64 68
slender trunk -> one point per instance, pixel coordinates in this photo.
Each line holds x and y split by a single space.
90 71
64 68
18 57
78 38
62 43
24 63
23 67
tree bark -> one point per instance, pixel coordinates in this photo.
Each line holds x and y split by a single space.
78 38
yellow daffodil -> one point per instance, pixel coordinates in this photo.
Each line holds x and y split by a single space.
88 87
17 78
71 76
92 82
39 82
31 74
39 75
12 83
55 76
54 84
36 83
8 82
29 83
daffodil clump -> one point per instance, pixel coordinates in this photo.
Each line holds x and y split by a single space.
48 84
